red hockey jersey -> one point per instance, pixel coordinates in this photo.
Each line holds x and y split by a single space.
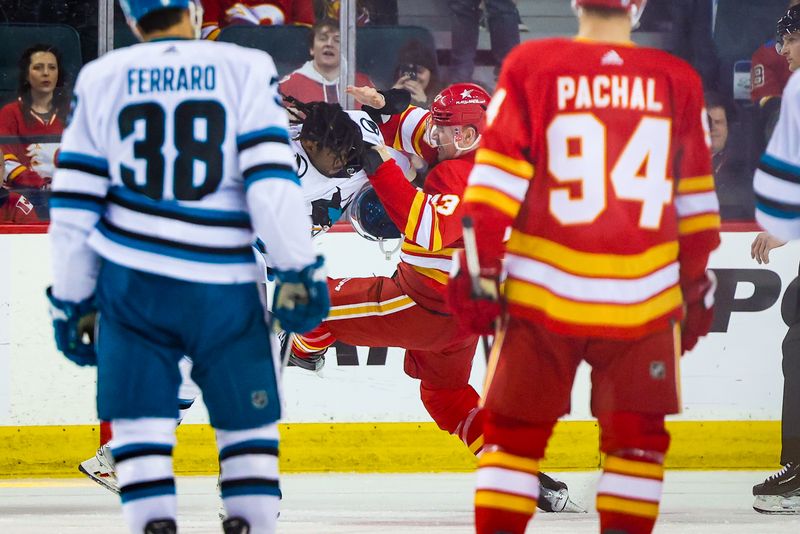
430 220
769 73
28 163
597 156
16 209
406 132
218 14
307 85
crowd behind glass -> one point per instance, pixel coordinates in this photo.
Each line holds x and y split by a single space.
731 44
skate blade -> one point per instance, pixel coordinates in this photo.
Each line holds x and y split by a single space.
573 508
777 505
110 487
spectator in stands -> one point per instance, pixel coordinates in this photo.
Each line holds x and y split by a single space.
217 14
418 73
318 78
692 38
40 110
732 175
16 209
771 68
503 18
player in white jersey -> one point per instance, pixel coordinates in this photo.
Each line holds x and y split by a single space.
176 152
777 189
327 148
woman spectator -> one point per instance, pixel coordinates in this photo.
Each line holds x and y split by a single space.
40 110
417 73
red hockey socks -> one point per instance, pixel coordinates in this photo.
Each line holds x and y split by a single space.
507 488
456 411
317 340
629 494
629 491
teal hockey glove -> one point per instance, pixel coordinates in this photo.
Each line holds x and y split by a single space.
71 323
301 298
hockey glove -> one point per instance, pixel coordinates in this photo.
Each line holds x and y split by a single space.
72 322
699 307
301 298
371 159
396 101
475 311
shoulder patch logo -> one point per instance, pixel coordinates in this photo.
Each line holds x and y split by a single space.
612 58
302 165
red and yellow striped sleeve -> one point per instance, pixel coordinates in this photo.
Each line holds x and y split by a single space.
503 171
696 201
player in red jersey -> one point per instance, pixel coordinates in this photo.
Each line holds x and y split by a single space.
596 155
15 208
218 14
769 69
409 309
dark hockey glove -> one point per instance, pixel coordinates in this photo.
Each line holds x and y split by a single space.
475 311
396 101
371 159
72 323
699 307
301 298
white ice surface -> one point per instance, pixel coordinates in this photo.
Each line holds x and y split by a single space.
694 502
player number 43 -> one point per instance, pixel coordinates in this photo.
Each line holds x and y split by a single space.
445 204
639 173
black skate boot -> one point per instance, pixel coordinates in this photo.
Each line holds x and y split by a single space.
235 525
779 493
554 496
161 526
311 362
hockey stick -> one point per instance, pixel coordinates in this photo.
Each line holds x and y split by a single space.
474 269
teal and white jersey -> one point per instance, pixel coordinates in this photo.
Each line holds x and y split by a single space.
777 179
327 198
177 153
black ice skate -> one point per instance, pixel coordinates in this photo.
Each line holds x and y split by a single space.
779 493
554 496
161 526
310 362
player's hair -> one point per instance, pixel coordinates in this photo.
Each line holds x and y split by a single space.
161 19
60 95
318 26
716 100
330 127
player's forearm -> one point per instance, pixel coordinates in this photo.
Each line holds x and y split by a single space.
396 193
283 226
490 230
75 264
694 251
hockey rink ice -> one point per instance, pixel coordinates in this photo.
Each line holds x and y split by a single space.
707 502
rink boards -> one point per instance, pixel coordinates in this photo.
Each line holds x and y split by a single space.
364 414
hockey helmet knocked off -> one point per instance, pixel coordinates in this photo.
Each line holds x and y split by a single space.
788 24
633 7
369 217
